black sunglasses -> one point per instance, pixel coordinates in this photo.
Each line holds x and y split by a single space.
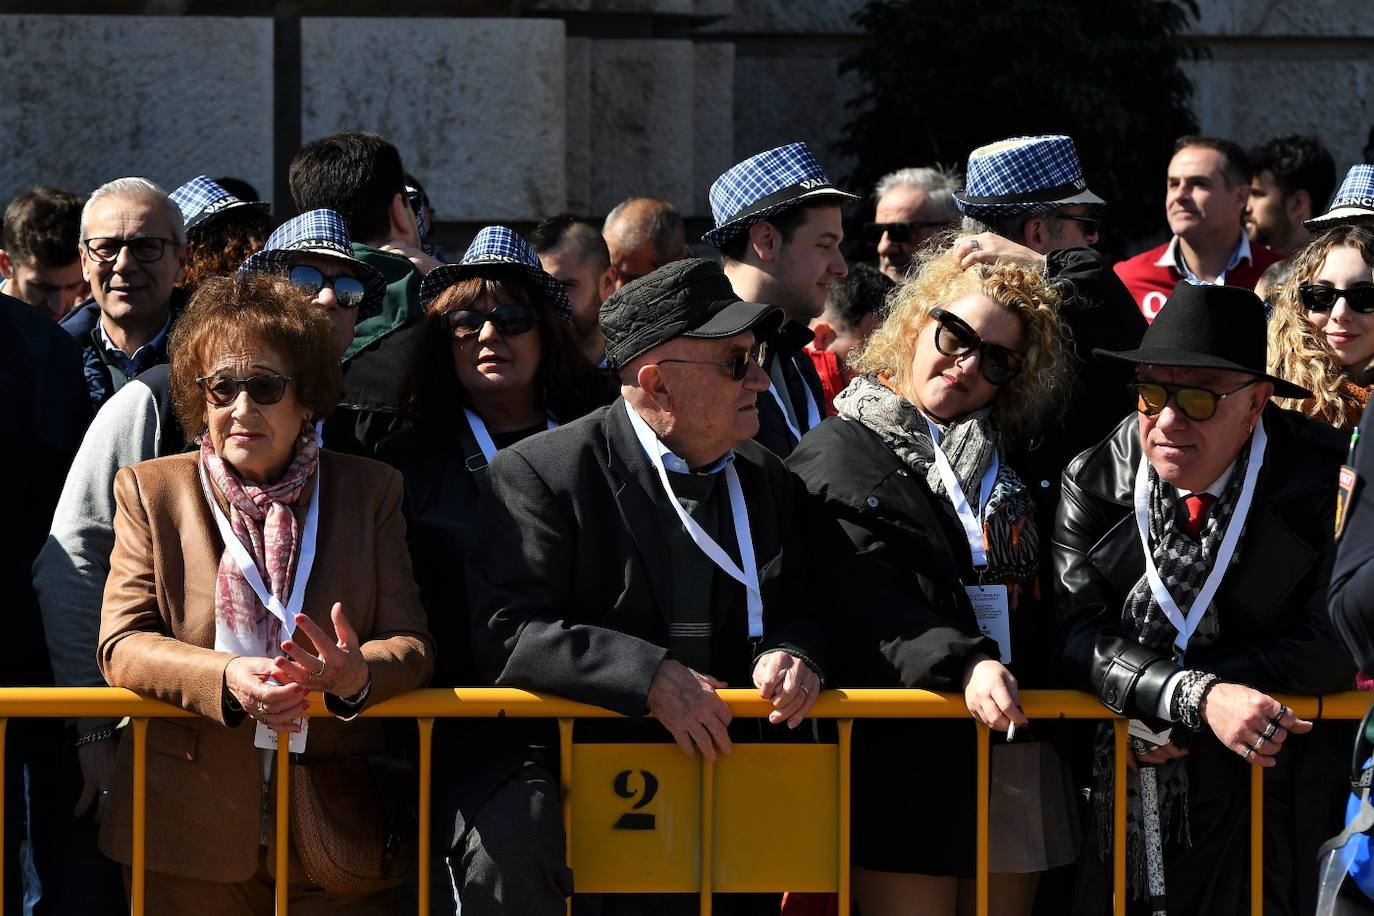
1092 225
900 233
953 337
738 365
1323 298
223 390
1197 404
348 290
509 320
145 249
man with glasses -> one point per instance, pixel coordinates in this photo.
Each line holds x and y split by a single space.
642 558
913 205
1192 553
133 254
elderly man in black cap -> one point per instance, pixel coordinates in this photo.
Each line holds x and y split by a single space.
1193 548
647 555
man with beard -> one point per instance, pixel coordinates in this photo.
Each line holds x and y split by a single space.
575 254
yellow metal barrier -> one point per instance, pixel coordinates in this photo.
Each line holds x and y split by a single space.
700 847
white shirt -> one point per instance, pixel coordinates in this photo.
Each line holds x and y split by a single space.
1171 258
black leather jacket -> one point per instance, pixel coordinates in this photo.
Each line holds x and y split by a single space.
1275 635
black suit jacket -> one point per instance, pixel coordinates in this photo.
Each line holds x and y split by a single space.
571 586
1352 581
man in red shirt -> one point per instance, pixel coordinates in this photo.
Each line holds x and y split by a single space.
1208 188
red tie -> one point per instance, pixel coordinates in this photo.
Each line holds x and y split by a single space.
1197 505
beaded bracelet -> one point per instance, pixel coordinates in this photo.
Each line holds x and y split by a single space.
99 734
1188 696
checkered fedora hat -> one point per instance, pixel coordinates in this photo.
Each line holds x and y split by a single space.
758 187
1024 175
1353 203
495 246
201 198
323 233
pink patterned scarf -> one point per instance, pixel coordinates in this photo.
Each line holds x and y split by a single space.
264 522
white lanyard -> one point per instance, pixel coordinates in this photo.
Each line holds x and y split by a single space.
1185 625
782 408
749 575
286 614
972 522
479 432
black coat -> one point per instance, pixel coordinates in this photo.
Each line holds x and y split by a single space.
570 587
1352 581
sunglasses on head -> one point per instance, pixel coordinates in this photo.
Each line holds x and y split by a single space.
223 390
899 233
508 320
349 291
737 365
953 337
1323 298
1195 403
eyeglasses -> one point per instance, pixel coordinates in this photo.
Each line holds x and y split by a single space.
953 337
223 390
348 290
509 320
738 365
899 233
1323 298
1092 225
145 249
1195 403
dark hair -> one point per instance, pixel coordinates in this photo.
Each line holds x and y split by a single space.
44 224
858 294
1298 163
564 228
356 173
257 310
238 187
218 246
570 385
785 221
1235 164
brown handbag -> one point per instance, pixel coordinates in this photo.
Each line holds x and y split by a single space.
354 821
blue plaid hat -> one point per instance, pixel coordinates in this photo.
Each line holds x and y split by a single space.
1024 175
323 233
201 198
495 246
755 189
1353 203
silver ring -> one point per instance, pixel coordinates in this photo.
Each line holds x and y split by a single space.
1249 752
1271 731
1283 711
1259 745
973 245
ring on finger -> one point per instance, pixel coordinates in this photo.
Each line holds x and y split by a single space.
1249 752
315 675
1271 731
1283 711
1259 745
973 245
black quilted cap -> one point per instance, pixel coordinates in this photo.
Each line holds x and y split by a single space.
688 298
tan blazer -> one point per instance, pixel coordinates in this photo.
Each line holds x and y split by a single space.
157 633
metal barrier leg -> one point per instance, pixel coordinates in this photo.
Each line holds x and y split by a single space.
1119 774
426 728
3 723
980 875
139 882
565 753
283 820
1257 841
708 826
846 729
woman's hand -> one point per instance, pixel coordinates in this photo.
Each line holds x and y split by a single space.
990 694
339 668
274 705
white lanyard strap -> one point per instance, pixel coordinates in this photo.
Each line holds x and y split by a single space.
972 521
813 410
479 432
749 575
1187 624
245 562
782 409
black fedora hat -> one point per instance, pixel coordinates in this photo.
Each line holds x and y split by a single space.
1209 327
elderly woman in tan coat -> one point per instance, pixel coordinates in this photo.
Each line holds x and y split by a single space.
246 575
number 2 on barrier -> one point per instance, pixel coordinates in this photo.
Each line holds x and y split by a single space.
634 819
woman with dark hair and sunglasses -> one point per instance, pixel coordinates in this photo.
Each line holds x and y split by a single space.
246 576
930 536
496 362
1322 332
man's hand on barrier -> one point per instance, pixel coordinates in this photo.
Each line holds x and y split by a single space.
989 246
990 694
685 701
97 761
1249 722
274 705
787 682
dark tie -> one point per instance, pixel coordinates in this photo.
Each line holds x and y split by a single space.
1197 505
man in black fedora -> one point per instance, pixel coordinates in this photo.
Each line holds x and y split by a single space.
1192 553
646 555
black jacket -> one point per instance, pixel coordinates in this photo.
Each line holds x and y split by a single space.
571 583
101 382
1274 632
893 557
800 373
1352 581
